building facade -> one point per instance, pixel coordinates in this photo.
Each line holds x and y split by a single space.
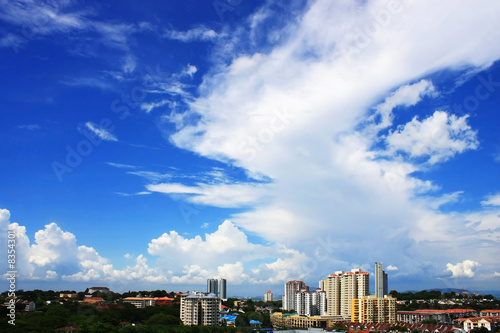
223 289
268 296
342 288
279 319
291 288
213 286
490 313
200 309
381 285
371 309
441 316
490 323
310 303
140 302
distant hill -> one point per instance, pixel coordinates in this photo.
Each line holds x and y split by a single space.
495 293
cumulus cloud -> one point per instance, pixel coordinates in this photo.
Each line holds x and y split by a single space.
467 268
392 268
56 255
407 95
438 137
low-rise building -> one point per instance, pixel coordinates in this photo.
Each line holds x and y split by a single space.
163 300
140 302
490 313
279 319
68 296
491 323
441 316
104 290
93 300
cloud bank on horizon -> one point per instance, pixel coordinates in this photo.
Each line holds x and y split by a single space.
335 132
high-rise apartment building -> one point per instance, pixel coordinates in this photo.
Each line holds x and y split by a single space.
212 286
310 303
268 297
223 289
381 285
291 287
371 309
200 309
342 288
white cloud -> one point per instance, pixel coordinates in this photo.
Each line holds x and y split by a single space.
438 137
148 107
129 64
195 34
100 131
151 176
496 274
407 95
61 17
467 268
189 70
492 200
295 113
121 165
225 252
392 268
220 195
30 127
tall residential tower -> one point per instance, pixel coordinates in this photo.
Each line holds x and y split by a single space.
344 287
381 287
291 288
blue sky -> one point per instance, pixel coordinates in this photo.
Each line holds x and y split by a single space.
150 145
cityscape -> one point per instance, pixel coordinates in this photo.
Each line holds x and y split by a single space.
249 166
342 302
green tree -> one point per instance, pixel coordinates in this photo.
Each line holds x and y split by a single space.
339 327
163 319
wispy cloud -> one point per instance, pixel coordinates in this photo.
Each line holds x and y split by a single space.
100 132
132 194
30 127
196 34
151 176
122 166
218 195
